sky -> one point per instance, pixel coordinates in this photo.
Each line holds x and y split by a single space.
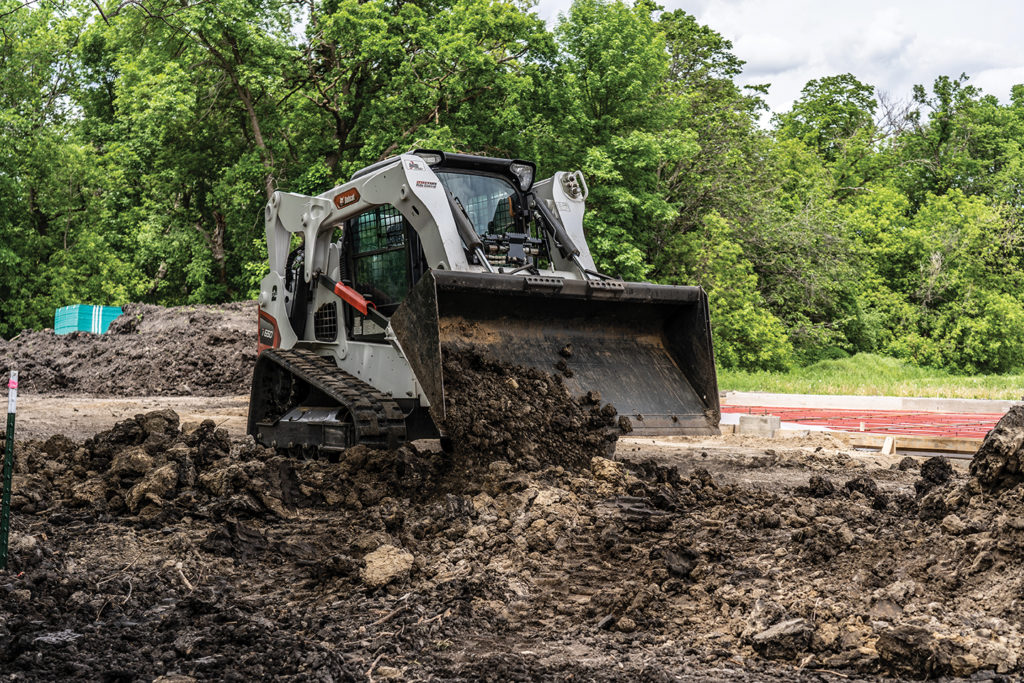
890 45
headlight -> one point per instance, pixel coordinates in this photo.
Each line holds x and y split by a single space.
431 156
523 171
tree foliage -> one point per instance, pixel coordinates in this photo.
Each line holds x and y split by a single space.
139 141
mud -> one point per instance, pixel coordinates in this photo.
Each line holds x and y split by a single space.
156 549
498 411
999 462
147 351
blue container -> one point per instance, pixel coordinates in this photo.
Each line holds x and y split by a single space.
83 318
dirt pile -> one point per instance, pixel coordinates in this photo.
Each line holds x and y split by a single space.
147 351
398 565
497 411
150 469
999 462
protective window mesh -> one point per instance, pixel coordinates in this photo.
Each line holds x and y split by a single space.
383 277
500 220
489 202
325 323
381 264
380 228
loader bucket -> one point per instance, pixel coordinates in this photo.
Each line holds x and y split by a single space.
646 348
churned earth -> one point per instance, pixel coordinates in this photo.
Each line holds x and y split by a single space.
167 547
155 548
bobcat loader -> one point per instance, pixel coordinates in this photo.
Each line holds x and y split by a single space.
370 280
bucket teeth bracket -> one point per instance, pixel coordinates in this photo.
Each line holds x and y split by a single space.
544 282
607 285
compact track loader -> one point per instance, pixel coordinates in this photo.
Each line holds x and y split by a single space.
369 281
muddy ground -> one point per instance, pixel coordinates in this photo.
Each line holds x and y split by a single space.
524 416
152 540
157 549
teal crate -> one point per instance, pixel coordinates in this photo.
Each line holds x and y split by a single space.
84 318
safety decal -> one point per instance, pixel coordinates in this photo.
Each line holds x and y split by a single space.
426 183
414 165
345 198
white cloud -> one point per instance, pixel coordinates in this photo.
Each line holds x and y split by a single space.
769 54
885 38
999 81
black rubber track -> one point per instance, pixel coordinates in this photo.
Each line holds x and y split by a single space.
379 421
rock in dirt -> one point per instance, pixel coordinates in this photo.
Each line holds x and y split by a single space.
907 463
952 524
607 470
932 505
157 483
934 472
863 484
817 487
999 462
149 350
386 564
784 640
914 651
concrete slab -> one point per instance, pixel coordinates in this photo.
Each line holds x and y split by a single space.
758 425
844 402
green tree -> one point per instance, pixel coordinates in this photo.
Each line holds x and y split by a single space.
380 78
55 248
829 112
955 137
746 334
720 173
834 116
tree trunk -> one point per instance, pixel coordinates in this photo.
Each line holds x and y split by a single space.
257 133
217 246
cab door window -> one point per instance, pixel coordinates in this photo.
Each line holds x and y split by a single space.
379 264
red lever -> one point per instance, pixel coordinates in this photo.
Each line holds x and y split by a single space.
353 298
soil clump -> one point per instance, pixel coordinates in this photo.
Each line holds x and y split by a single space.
498 411
205 350
999 462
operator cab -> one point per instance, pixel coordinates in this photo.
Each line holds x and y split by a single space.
494 195
382 257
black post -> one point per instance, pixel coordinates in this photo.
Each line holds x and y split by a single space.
8 471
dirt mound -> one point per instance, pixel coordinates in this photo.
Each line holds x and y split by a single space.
146 468
999 462
149 469
147 351
498 411
153 549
